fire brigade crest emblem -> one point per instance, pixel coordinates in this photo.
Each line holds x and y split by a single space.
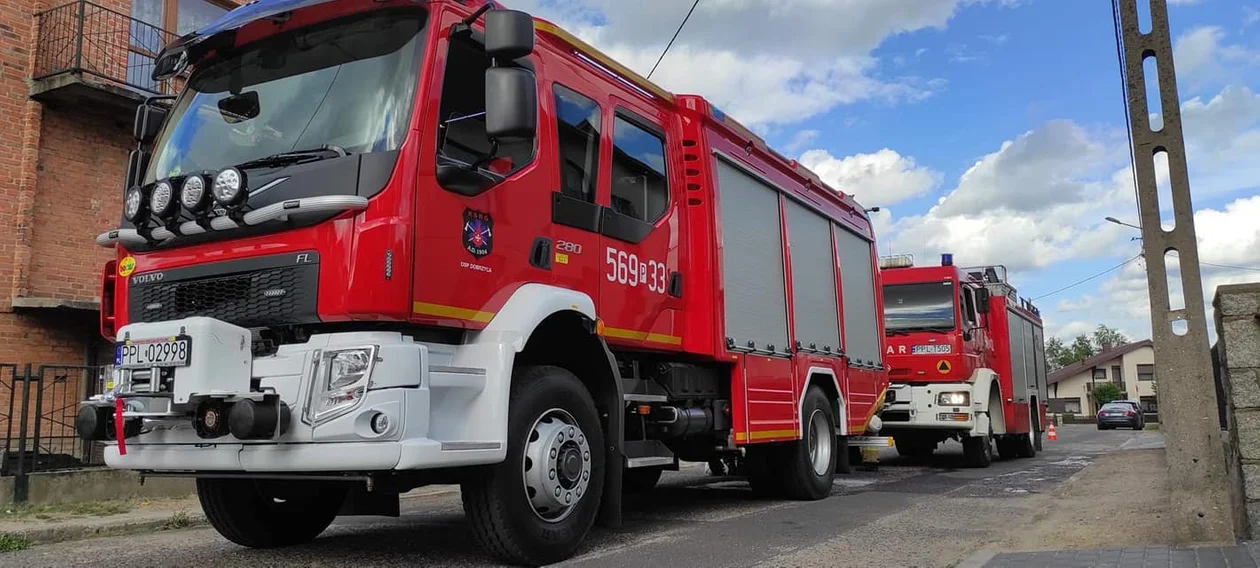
478 233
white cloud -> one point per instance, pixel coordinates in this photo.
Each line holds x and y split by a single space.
1201 56
1250 16
996 39
882 178
800 140
820 56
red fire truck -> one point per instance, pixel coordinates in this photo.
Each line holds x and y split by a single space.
378 244
966 359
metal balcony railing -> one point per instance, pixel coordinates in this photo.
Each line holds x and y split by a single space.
94 42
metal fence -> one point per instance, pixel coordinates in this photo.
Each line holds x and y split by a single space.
86 39
37 410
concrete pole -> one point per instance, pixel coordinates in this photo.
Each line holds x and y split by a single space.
1198 479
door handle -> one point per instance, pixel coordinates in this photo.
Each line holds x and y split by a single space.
540 254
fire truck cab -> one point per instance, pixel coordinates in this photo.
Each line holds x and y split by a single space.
966 358
379 244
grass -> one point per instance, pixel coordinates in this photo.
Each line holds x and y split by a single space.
49 512
1152 426
12 543
179 520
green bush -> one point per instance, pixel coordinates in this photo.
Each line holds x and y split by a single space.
1105 393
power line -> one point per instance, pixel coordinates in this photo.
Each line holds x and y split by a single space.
1230 266
1124 92
1084 280
671 40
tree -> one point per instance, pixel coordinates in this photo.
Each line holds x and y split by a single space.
1105 392
1106 338
1081 349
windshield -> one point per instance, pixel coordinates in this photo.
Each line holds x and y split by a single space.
349 83
919 306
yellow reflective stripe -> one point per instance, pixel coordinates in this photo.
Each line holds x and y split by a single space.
641 336
764 434
427 309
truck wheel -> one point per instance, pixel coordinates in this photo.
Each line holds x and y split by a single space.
537 505
1008 447
260 515
846 454
761 466
640 479
978 450
810 466
1027 444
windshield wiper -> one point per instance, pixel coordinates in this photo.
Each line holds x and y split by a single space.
296 157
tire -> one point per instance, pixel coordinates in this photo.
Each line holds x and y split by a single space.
1025 444
845 455
1008 448
251 514
761 467
810 463
978 450
914 447
511 505
640 479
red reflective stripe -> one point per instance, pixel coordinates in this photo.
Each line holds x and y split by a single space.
119 430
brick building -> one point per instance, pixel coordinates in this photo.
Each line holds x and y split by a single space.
71 75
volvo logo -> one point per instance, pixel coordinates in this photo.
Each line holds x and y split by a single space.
147 278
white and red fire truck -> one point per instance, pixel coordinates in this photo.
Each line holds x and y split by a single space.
966 359
378 244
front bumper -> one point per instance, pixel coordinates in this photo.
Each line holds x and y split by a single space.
430 405
914 407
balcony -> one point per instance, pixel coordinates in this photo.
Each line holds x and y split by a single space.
87 54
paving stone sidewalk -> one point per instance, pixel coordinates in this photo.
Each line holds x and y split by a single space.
1239 556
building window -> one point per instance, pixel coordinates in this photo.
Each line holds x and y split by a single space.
1071 406
1150 404
175 16
1146 372
577 124
640 188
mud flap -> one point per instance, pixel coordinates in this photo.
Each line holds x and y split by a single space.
609 515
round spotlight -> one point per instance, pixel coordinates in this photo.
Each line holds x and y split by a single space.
162 199
193 194
229 187
133 205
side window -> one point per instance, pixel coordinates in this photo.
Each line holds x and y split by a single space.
577 125
640 188
462 117
969 306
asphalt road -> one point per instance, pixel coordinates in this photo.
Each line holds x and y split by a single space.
923 511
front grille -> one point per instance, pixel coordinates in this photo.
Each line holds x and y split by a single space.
266 296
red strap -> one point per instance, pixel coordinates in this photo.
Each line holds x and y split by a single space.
119 429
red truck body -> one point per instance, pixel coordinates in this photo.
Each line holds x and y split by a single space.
713 299
955 330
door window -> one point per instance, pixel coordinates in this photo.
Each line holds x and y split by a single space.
577 129
640 187
462 138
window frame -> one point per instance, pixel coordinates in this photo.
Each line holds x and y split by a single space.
566 209
494 179
619 225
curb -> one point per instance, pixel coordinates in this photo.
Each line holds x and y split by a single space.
977 559
53 535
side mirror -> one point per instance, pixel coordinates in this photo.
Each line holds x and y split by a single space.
137 163
982 300
148 121
966 334
511 103
509 34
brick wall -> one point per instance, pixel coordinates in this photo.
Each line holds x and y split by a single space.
1238 368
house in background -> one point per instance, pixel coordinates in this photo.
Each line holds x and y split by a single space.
1130 367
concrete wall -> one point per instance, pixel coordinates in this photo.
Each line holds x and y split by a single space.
1238 329
54 488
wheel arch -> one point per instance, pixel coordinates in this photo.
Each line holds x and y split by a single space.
825 379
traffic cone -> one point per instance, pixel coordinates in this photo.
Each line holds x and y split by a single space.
1050 433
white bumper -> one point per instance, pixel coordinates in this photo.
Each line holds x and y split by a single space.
440 412
915 407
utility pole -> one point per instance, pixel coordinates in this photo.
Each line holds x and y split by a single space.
1198 478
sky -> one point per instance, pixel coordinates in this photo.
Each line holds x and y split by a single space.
994 130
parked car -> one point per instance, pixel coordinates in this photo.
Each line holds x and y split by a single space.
1121 413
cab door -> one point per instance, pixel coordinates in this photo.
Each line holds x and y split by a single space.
640 281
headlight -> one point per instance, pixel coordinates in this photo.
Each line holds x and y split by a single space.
341 380
229 187
953 399
193 194
133 205
162 200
